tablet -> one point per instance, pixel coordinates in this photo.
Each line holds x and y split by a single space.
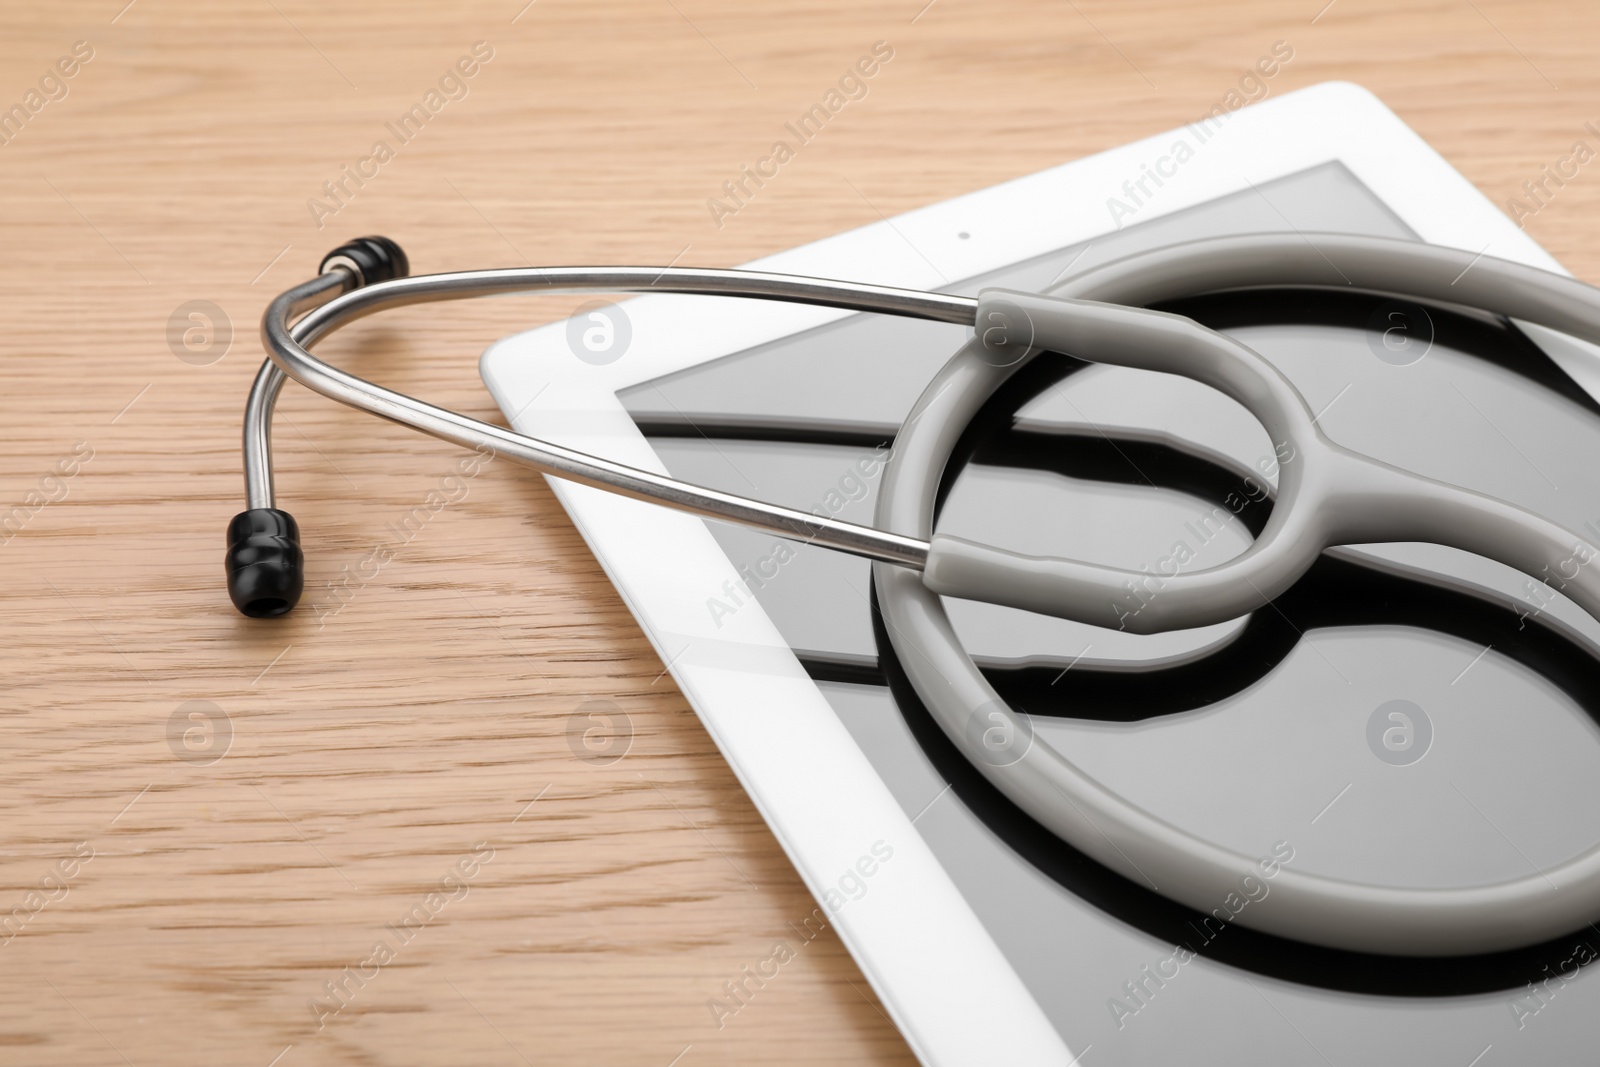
1407 715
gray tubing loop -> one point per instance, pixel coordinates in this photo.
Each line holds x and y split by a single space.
1124 837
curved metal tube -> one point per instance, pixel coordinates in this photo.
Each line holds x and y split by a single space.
332 304
264 396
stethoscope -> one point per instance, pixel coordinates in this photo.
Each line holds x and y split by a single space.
1327 496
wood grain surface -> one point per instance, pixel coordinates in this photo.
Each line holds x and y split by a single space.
416 748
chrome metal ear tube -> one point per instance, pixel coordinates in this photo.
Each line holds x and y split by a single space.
264 560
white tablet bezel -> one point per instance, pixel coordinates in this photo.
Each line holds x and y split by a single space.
939 974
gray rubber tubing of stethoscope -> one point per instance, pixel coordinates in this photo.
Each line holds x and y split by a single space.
1048 786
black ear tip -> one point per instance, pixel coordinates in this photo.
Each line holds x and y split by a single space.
374 259
266 570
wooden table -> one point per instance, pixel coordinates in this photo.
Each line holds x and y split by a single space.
262 803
